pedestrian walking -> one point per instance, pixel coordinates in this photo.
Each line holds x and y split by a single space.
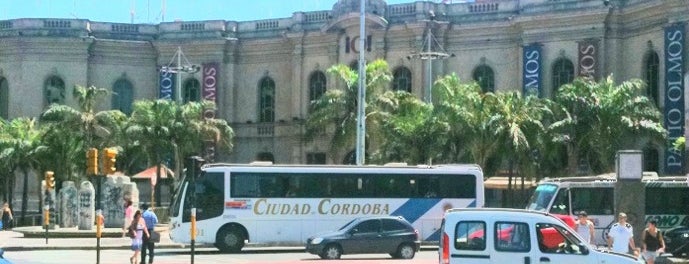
148 244
139 229
128 215
653 243
584 227
7 217
621 235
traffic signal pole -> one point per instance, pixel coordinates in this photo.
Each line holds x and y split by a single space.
49 184
193 164
108 167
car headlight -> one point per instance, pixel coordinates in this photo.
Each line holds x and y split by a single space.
685 235
317 240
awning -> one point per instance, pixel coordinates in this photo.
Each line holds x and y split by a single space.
499 182
150 174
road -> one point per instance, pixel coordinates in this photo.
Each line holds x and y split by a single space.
179 256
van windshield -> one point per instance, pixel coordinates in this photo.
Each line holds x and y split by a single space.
541 198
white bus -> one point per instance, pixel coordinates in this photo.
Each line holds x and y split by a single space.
666 200
286 204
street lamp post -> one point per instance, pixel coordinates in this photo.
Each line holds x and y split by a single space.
178 69
361 99
429 55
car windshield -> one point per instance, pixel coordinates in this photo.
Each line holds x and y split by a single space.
541 198
347 225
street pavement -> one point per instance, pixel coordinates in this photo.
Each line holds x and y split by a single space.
32 238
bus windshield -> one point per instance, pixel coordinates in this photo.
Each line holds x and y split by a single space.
541 198
177 199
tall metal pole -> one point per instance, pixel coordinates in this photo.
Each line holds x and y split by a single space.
361 103
178 92
429 95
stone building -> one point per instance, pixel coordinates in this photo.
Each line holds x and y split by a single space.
263 74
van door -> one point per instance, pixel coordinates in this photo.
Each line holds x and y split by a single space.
512 243
468 242
556 244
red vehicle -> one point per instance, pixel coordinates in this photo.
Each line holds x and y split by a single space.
551 237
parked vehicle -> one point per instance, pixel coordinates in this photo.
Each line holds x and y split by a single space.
493 235
382 234
677 241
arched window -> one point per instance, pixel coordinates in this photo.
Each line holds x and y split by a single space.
191 91
266 99
122 96
401 80
651 159
265 156
4 99
317 84
563 73
651 68
354 65
54 90
485 78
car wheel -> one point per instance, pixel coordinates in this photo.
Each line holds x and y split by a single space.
331 251
230 240
406 251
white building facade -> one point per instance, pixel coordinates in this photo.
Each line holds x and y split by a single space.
263 74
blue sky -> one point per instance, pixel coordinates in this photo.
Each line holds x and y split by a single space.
149 11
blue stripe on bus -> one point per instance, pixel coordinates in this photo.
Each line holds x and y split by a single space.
472 204
435 236
413 209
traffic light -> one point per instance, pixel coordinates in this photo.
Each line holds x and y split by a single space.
109 159
92 162
49 180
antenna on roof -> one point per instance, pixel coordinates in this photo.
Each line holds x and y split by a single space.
132 10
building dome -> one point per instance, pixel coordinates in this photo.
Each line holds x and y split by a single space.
342 7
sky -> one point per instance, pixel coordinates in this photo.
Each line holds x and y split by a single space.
150 11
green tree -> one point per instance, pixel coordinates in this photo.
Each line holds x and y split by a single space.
21 145
338 107
518 125
596 119
412 133
163 128
70 132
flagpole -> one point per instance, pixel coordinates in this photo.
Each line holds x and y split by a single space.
361 102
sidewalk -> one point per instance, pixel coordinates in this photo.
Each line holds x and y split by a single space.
33 238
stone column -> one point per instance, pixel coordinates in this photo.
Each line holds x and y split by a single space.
114 191
86 205
68 205
630 192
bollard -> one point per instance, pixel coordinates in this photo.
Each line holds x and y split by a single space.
99 230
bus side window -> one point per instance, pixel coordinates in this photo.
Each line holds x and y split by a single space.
561 203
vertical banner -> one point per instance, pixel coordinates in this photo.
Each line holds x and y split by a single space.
674 97
588 59
167 85
531 70
209 93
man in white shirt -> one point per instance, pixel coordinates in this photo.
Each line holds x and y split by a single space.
621 235
585 227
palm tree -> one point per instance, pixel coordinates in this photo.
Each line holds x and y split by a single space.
595 119
71 131
21 146
162 127
518 126
338 107
151 127
411 131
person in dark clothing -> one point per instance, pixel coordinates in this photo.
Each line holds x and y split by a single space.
6 216
652 240
151 220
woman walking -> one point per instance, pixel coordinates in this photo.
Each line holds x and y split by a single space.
138 227
128 216
6 216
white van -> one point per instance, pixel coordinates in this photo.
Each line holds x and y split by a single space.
491 235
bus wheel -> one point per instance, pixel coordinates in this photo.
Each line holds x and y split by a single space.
331 251
230 240
405 251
